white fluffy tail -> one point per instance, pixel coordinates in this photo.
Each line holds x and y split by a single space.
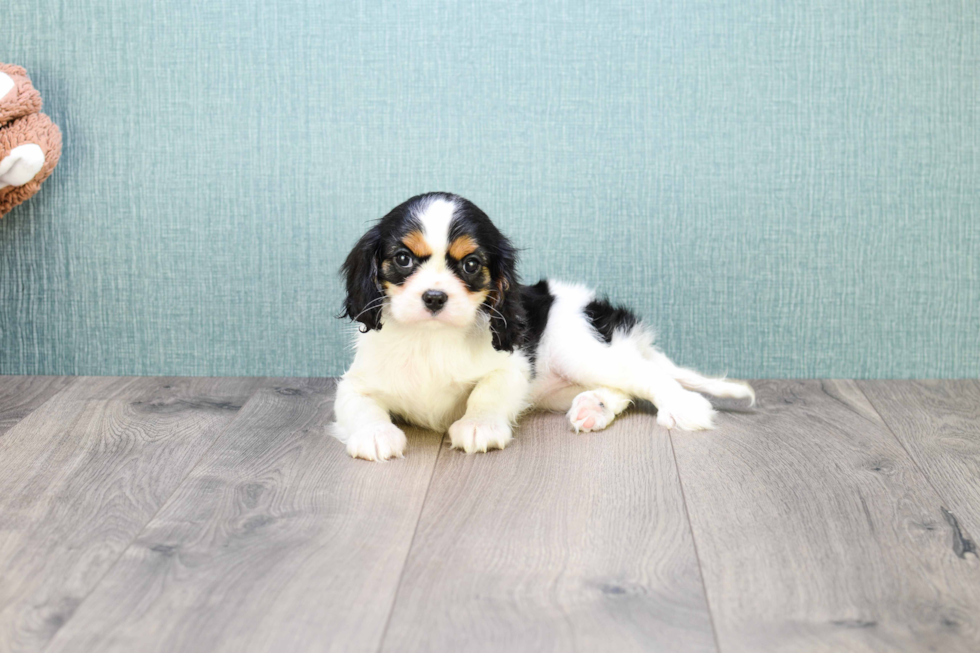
691 380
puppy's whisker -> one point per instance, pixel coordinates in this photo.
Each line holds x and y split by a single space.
377 303
492 330
499 314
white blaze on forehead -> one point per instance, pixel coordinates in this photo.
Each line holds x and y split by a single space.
436 216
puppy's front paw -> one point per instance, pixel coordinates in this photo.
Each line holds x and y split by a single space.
685 410
479 435
589 412
377 442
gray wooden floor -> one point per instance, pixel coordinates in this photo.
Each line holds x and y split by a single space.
176 514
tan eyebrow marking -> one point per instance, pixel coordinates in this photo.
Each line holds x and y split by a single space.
461 247
416 242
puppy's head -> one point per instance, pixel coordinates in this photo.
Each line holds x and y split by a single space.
435 260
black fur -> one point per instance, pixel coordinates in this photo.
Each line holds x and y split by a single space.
606 318
360 270
507 314
503 304
537 301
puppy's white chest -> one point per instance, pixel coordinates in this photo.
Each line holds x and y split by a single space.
422 375
430 405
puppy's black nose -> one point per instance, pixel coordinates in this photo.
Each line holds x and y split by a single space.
434 300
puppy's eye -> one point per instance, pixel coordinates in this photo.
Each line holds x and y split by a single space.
471 264
403 260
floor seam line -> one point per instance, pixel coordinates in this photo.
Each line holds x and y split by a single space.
411 544
901 444
694 543
156 512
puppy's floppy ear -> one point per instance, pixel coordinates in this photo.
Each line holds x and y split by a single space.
360 270
505 299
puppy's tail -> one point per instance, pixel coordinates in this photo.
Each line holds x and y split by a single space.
691 380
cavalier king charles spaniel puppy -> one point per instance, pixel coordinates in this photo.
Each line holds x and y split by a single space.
451 341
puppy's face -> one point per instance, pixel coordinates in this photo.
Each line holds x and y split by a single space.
432 270
434 260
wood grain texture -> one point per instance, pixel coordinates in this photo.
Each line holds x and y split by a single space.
561 542
277 541
19 395
816 532
938 423
80 477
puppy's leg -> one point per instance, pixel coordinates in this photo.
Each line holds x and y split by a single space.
587 410
594 410
365 426
492 407
622 366
559 400
676 407
692 380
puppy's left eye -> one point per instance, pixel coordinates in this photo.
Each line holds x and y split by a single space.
471 264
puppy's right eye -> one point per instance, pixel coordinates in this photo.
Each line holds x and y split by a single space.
403 260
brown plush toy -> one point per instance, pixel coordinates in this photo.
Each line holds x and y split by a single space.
30 144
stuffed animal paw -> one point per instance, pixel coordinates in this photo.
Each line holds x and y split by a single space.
30 144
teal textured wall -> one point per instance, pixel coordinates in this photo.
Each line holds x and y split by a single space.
781 187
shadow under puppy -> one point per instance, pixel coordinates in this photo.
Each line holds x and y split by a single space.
450 340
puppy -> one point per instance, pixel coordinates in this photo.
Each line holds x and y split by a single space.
450 340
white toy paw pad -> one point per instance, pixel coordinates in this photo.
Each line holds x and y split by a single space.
6 84
589 413
377 442
473 435
21 165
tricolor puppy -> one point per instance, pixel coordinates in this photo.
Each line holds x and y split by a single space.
451 341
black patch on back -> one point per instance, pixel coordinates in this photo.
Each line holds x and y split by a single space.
537 301
606 318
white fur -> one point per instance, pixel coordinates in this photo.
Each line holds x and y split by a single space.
406 300
442 373
570 356
432 375
436 215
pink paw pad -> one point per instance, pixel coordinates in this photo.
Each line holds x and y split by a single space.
589 413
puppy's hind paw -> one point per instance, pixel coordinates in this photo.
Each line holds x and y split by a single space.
377 442
589 413
687 411
478 435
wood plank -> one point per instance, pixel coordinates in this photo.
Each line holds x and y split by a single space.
80 477
938 423
19 395
561 542
278 541
816 532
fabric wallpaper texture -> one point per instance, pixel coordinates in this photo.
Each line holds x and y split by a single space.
782 188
